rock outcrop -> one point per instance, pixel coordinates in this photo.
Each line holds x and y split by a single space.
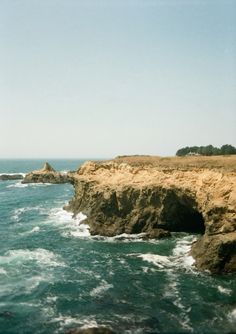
157 197
47 175
8 177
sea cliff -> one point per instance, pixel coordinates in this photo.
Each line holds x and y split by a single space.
157 196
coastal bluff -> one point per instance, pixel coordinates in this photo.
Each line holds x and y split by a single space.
157 196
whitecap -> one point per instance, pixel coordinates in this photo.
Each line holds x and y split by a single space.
34 230
160 261
232 315
22 174
42 256
18 185
180 257
3 271
101 288
124 237
224 290
18 212
72 226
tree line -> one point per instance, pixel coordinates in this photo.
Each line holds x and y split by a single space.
206 150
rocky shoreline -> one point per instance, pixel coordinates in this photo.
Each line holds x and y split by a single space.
157 197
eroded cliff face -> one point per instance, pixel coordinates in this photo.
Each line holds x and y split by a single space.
119 197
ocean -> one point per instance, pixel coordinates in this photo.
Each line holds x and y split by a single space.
54 276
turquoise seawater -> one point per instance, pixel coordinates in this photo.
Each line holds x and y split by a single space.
54 276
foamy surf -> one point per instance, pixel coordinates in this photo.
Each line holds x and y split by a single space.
42 256
224 290
66 321
124 237
19 184
12 174
34 230
232 316
71 226
180 257
101 288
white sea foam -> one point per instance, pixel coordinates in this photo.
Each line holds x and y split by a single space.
72 226
42 256
34 230
180 257
23 174
224 290
124 237
18 212
101 288
33 282
18 185
66 321
158 260
3 271
51 299
232 316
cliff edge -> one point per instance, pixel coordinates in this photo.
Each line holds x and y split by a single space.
159 195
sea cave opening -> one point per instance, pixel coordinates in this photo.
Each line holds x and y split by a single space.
180 214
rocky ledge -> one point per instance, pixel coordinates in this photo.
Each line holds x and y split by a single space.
8 177
156 196
47 175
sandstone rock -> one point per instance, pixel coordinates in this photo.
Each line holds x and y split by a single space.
47 175
47 168
216 253
157 199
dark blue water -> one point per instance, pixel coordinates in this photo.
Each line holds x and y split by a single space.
54 276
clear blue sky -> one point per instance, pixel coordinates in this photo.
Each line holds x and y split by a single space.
82 78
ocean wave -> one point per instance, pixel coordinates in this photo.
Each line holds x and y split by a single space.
16 215
23 174
224 290
18 184
66 321
72 226
42 256
3 271
232 316
180 257
101 288
34 230
124 237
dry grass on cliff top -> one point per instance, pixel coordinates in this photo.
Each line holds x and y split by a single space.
225 163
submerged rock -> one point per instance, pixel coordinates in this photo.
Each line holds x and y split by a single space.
120 197
6 177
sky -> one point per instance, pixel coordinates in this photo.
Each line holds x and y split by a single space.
97 79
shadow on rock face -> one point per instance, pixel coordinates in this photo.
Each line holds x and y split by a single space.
92 330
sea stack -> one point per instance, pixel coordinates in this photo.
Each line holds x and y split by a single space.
47 174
